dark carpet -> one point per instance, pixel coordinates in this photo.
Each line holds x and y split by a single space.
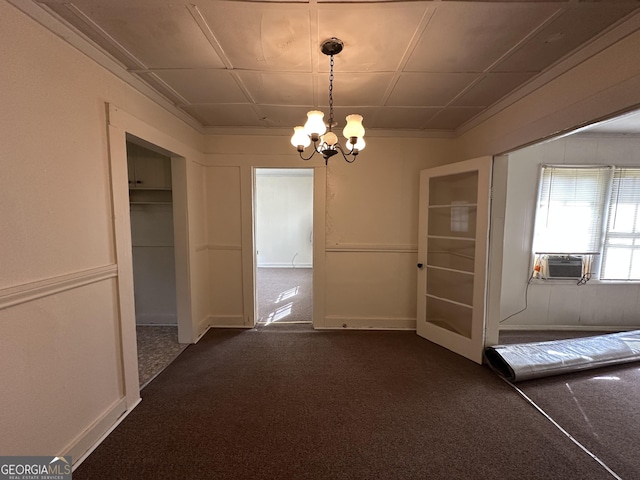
284 296
600 410
509 337
268 404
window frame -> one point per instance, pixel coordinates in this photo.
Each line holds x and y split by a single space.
593 262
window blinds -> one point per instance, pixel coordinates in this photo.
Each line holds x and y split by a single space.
570 209
621 253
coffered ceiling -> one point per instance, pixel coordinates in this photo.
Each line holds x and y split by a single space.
417 65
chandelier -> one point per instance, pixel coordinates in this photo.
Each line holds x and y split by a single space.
315 131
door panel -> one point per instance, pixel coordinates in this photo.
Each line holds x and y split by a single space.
452 255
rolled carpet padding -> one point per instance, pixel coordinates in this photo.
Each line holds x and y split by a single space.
525 361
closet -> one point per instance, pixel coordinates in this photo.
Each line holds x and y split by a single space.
151 210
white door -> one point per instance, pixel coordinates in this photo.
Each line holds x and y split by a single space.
452 255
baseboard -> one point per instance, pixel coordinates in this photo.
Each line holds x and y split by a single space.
85 443
569 328
284 265
371 323
226 321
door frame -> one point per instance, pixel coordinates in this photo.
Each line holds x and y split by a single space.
120 125
319 245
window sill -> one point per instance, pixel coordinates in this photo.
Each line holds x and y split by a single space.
557 281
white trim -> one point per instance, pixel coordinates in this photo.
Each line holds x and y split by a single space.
226 321
204 332
371 323
284 265
216 246
372 248
570 328
106 419
28 292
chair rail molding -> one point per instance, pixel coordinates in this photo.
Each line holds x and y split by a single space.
31 291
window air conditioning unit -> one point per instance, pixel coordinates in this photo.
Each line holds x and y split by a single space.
564 266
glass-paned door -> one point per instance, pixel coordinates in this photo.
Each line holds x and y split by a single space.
452 255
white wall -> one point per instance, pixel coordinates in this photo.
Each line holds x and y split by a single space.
560 303
284 218
68 368
153 264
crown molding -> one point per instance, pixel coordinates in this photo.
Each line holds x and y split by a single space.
286 132
605 40
57 25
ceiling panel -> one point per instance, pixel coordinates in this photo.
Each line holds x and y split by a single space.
404 118
225 115
405 64
340 114
279 88
286 117
160 35
453 117
470 37
491 88
429 89
354 88
375 37
204 86
261 36
570 29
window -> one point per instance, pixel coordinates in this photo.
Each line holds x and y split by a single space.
590 212
621 251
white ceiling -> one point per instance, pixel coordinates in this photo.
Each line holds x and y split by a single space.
628 124
416 65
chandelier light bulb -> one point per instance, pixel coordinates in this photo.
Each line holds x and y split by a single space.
300 139
359 146
354 127
315 125
330 138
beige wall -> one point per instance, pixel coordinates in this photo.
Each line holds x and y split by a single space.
66 291
371 226
66 375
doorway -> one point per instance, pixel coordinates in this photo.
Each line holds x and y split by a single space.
283 241
153 258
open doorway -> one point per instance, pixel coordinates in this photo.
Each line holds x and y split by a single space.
541 298
283 235
153 256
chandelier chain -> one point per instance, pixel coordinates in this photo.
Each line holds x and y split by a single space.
331 94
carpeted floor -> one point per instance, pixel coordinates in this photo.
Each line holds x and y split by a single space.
600 409
509 337
268 404
284 297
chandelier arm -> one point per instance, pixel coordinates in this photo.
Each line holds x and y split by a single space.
313 152
348 157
